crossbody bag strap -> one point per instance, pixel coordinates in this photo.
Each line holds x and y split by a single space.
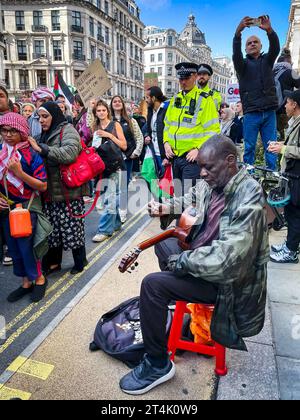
6 192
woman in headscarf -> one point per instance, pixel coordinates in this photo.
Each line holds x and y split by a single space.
39 96
227 117
22 176
60 144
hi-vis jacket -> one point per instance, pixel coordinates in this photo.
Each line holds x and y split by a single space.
186 130
216 95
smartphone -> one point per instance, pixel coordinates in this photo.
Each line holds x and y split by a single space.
256 22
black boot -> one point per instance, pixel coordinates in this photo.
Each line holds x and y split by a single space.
80 260
52 258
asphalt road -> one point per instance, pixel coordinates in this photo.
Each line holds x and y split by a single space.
24 320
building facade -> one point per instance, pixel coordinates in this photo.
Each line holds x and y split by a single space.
293 38
2 48
43 37
165 48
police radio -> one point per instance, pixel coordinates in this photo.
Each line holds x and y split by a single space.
178 102
192 107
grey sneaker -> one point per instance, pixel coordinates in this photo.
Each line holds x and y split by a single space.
279 248
146 377
285 256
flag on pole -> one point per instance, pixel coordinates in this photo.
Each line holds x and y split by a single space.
160 188
61 88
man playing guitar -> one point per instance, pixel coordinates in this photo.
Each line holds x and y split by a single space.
225 263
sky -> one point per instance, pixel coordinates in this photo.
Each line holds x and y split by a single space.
218 19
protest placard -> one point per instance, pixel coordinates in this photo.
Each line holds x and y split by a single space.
93 83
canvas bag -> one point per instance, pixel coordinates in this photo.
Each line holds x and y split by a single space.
118 333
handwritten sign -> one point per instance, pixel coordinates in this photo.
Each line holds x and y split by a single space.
93 82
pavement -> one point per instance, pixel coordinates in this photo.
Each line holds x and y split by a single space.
58 365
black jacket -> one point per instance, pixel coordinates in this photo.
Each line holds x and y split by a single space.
160 127
237 130
289 80
257 84
131 144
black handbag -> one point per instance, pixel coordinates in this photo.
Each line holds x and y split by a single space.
111 155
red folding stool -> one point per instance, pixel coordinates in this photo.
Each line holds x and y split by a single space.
176 342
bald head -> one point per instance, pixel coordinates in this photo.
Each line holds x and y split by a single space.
218 161
253 46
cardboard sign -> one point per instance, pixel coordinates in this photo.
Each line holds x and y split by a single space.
93 82
150 79
233 94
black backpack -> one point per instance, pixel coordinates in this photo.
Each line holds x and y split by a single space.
118 333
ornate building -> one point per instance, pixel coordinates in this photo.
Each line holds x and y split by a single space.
42 37
293 38
165 48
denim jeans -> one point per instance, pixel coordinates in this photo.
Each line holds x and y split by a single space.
110 219
125 180
265 124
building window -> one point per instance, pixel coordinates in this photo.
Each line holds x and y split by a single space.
39 49
92 30
152 70
170 41
55 20
22 50
107 40
20 21
41 77
106 7
7 79
170 71
76 19
159 71
37 18
77 50
170 57
160 42
98 3
160 57
57 54
23 80
152 58
99 33
101 56
107 62
152 43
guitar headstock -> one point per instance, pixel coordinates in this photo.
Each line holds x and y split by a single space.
129 261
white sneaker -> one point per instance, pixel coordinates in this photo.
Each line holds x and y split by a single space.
100 238
123 216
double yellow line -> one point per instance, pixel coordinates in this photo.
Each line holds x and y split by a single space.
62 290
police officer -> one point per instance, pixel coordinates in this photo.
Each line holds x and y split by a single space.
205 73
191 119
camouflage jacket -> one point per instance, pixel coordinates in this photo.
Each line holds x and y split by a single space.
236 262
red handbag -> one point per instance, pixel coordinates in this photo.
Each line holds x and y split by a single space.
87 166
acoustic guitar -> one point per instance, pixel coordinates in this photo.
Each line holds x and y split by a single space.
187 220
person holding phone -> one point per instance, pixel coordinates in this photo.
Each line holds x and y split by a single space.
257 87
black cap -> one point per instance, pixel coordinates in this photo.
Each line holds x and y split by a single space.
205 68
185 70
294 95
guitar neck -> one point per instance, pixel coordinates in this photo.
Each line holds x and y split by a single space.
156 239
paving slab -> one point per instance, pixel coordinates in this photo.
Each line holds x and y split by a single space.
284 286
289 378
286 324
251 376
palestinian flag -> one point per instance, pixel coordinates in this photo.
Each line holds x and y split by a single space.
160 188
61 88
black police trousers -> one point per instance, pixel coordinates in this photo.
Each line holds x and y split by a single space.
159 289
292 215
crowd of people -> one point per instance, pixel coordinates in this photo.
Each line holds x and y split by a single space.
203 139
